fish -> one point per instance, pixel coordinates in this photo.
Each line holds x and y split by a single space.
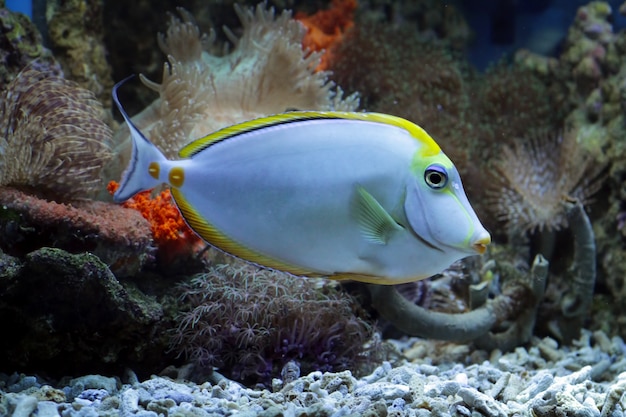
358 196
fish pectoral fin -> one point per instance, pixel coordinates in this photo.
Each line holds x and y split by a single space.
376 225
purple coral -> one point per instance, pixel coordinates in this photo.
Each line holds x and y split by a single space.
250 323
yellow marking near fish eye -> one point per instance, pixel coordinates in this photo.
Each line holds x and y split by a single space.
154 169
177 177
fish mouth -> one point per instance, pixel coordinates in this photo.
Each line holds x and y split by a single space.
480 245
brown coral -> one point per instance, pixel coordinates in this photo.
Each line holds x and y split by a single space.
76 35
398 71
53 141
537 175
513 101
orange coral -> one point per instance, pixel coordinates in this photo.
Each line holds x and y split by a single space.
326 28
169 230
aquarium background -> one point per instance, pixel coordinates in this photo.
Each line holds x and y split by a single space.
527 98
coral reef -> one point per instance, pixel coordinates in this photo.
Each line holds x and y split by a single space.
21 45
255 325
249 323
55 141
76 33
65 313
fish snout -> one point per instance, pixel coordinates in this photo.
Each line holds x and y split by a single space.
481 242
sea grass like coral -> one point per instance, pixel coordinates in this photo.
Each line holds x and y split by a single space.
267 72
249 323
53 138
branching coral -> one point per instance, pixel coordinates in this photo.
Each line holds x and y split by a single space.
53 137
537 176
250 323
267 72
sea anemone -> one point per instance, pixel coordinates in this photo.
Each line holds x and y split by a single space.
267 72
535 176
54 140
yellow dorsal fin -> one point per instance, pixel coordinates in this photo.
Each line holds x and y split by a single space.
430 146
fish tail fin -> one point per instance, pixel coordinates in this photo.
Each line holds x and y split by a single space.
142 172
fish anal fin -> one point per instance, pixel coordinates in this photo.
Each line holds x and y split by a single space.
210 234
373 279
376 225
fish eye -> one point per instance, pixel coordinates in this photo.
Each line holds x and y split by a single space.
436 177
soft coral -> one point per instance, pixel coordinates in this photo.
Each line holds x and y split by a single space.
169 230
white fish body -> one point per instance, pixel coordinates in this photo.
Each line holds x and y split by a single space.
361 196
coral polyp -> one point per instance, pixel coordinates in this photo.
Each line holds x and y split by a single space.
250 323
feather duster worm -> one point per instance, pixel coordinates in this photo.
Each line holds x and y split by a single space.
537 176
54 140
